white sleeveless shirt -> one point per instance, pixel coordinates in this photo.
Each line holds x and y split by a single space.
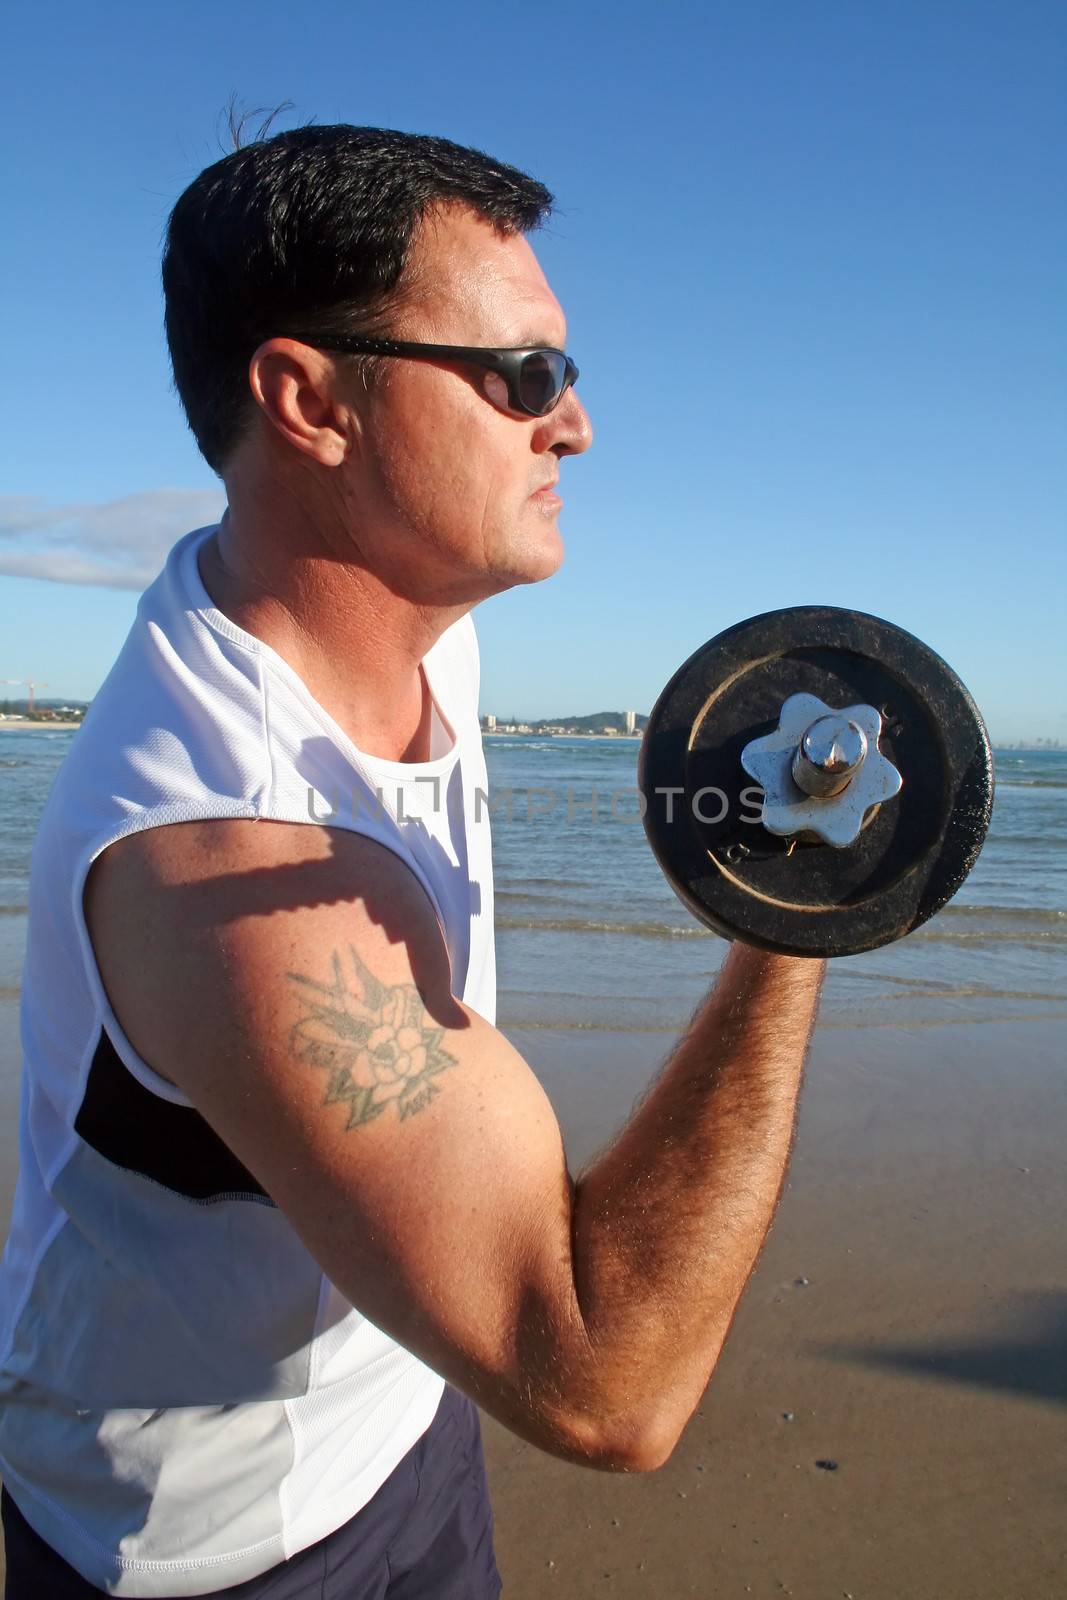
185 1399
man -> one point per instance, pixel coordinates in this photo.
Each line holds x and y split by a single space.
288 1202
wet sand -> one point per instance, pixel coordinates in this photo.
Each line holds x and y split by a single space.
925 1354
909 1314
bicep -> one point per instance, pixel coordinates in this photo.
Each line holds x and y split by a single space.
409 1144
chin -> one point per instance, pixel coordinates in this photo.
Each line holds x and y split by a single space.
539 556
528 553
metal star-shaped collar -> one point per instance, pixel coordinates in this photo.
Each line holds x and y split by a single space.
787 810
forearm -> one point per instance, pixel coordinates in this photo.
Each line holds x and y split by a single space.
669 1221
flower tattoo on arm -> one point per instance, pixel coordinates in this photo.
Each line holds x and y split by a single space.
375 1042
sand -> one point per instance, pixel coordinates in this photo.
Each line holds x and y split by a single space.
909 1314
25 724
907 1321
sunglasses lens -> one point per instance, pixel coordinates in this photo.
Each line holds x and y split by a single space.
542 380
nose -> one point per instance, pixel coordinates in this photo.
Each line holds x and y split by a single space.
567 430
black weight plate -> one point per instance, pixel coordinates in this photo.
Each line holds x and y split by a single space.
794 897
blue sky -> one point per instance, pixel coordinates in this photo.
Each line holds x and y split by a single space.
812 258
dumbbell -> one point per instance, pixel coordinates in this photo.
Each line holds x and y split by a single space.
816 781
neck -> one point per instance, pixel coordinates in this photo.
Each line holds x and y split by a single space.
355 643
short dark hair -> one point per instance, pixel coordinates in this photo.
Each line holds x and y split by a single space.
304 231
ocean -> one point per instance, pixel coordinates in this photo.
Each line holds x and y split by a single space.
591 936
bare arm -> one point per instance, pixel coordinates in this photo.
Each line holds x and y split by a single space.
416 1154
669 1221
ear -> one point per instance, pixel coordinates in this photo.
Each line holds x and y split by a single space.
297 389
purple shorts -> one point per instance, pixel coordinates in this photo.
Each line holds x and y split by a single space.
426 1535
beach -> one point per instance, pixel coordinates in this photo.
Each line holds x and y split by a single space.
908 1317
28 725
887 1421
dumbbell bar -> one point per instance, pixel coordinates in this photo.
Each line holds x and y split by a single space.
816 782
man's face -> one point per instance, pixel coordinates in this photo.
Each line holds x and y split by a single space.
460 494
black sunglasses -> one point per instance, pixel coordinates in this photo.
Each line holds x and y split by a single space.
537 378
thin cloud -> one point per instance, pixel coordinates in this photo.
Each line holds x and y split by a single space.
120 545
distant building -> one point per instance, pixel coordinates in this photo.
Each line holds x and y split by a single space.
610 730
490 723
631 721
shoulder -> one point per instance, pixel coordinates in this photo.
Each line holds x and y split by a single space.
244 864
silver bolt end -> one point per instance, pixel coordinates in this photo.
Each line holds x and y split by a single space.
828 757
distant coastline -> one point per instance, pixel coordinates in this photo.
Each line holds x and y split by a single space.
21 724
543 733
15 722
